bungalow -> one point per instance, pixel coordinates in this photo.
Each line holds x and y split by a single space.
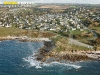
7 26
73 29
78 26
52 29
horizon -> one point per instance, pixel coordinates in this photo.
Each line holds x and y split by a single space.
52 3
55 1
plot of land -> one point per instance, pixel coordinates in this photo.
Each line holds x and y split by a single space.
54 6
9 31
96 28
76 42
22 32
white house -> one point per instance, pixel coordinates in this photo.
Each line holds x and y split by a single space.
52 29
73 29
7 25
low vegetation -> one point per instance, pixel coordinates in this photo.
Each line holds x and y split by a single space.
63 45
23 32
10 31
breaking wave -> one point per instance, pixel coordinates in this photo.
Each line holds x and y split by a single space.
37 64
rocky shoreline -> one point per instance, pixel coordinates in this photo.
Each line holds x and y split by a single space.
46 54
24 38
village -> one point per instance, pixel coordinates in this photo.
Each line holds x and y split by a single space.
71 28
70 20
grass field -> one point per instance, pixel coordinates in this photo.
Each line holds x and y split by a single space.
22 32
62 45
95 28
75 32
9 31
76 47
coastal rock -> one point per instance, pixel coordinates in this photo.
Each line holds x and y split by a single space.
46 54
39 57
43 52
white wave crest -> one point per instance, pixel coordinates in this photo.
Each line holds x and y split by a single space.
37 64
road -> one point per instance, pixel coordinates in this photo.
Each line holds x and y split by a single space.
76 42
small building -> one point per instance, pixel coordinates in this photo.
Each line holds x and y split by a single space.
81 29
73 29
52 29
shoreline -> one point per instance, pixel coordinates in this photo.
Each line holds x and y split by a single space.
24 38
47 54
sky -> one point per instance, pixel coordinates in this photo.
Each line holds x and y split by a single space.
58 1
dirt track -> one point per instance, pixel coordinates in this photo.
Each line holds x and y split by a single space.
76 42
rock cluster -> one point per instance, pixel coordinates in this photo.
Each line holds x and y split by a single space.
46 54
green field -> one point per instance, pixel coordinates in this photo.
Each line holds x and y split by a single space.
75 32
76 47
23 32
9 31
95 28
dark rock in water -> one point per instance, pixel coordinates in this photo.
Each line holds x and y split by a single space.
39 57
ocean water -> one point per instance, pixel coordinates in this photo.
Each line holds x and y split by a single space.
17 58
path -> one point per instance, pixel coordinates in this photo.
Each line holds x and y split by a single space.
76 42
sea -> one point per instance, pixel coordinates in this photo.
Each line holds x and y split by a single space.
17 58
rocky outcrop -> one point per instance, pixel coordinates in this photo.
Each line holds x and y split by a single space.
43 52
46 54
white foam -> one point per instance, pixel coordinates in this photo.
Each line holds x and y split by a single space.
76 66
38 66
66 64
34 63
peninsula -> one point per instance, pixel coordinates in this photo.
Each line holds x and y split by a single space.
69 32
